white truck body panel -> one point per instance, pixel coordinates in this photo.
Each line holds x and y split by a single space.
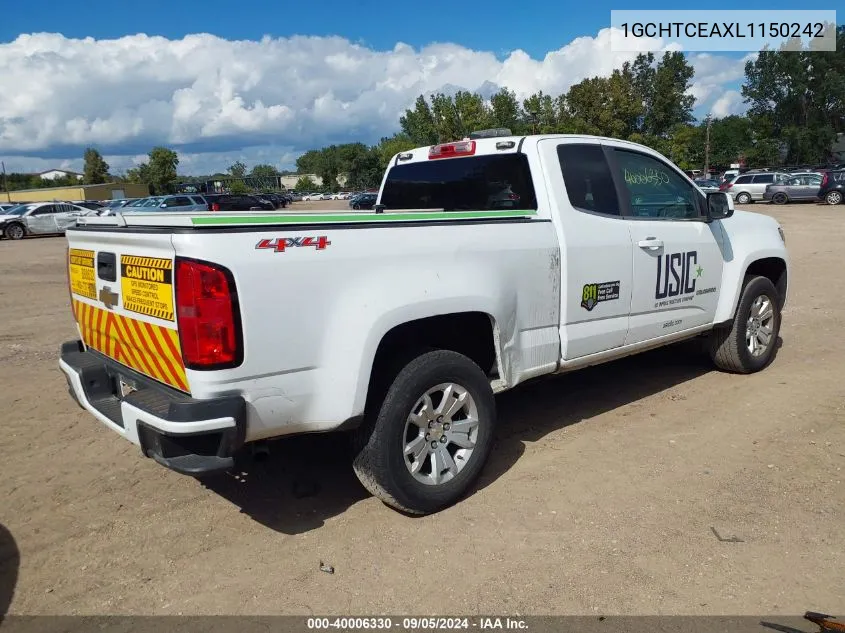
312 319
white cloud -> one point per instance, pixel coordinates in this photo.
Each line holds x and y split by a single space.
729 103
713 75
260 101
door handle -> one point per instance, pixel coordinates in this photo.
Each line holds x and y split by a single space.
650 243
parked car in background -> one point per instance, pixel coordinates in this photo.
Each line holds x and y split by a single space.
748 187
235 202
143 204
308 197
707 184
363 201
94 205
7 205
40 218
796 188
278 201
832 189
192 202
111 206
327 196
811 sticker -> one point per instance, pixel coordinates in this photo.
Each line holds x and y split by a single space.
281 244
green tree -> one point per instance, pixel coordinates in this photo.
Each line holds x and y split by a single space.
264 171
472 114
237 187
161 169
797 98
306 184
237 169
505 111
96 169
418 123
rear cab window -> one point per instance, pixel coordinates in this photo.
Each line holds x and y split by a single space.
742 180
481 182
586 174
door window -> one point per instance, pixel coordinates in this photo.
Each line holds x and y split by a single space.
178 201
764 179
45 210
656 190
586 174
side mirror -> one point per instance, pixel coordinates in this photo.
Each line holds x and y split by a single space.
719 206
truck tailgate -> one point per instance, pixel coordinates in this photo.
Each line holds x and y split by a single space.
123 300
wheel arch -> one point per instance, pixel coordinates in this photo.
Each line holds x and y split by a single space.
472 333
772 266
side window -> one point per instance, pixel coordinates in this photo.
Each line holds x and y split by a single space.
742 180
197 200
47 209
657 191
586 174
765 179
178 201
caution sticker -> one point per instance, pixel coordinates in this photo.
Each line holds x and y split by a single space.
81 272
147 285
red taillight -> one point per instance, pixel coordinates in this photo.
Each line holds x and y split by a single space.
825 178
448 150
213 206
725 186
206 306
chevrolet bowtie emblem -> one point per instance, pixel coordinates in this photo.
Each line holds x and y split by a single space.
108 297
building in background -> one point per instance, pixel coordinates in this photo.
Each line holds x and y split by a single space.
52 174
108 191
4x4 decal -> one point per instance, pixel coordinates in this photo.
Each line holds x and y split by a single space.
280 244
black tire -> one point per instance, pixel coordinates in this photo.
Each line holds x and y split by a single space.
744 198
380 463
727 345
780 198
834 197
15 231
356 206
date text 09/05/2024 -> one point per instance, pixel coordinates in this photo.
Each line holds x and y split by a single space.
416 623
723 29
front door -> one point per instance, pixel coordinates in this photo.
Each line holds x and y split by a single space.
42 220
677 256
595 247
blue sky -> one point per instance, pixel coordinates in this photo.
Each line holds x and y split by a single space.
254 91
536 26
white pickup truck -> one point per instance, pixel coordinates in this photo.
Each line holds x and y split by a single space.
487 262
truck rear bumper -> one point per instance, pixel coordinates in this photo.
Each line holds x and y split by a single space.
189 436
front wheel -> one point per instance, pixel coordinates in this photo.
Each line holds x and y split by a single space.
780 198
15 231
357 207
431 436
748 344
833 197
744 198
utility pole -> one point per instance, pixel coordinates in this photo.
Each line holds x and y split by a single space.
707 148
5 184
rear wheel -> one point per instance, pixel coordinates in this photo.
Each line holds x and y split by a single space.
833 197
744 198
780 198
431 436
356 206
15 231
747 345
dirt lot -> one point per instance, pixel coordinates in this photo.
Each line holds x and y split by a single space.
604 495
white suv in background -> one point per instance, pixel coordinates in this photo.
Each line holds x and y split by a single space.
748 187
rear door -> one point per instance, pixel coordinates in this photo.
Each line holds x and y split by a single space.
596 251
122 293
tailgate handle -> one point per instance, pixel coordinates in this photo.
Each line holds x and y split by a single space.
107 266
